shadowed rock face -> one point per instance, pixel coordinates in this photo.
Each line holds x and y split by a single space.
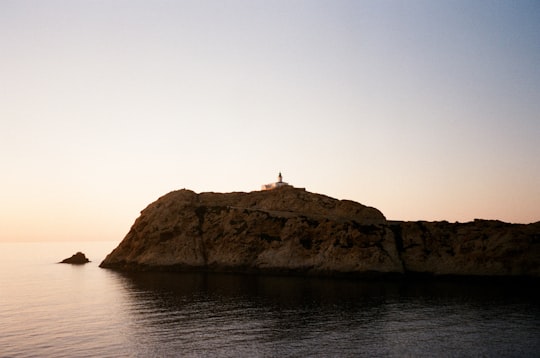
78 259
290 230
479 248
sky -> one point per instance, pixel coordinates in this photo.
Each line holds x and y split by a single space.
426 110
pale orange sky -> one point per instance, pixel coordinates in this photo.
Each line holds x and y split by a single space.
424 110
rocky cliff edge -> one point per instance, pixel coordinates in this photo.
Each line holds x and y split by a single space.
290 230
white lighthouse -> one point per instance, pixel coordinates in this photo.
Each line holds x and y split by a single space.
278 184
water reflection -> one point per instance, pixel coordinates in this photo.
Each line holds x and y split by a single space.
300 291
250 315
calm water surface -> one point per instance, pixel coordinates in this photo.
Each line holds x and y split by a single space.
58 310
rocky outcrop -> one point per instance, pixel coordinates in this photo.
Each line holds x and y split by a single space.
479 248
290 230
78 259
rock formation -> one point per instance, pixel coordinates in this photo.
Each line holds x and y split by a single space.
479 248
78 259
290 230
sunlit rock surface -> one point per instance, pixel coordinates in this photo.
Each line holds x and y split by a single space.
290 230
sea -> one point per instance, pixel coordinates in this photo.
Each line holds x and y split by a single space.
60 310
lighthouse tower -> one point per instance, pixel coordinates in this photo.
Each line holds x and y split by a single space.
278 184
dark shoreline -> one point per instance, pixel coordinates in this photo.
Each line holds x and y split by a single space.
355 276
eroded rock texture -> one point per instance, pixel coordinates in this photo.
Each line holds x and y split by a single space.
290 230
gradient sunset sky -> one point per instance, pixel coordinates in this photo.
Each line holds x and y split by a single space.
426 110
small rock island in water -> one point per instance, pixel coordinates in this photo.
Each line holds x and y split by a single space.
78 259
283 229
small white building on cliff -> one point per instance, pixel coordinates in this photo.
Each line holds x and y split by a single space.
278 184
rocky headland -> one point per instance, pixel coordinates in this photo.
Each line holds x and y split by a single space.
290 230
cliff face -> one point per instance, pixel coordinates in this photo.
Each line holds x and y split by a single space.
292 230
479 248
